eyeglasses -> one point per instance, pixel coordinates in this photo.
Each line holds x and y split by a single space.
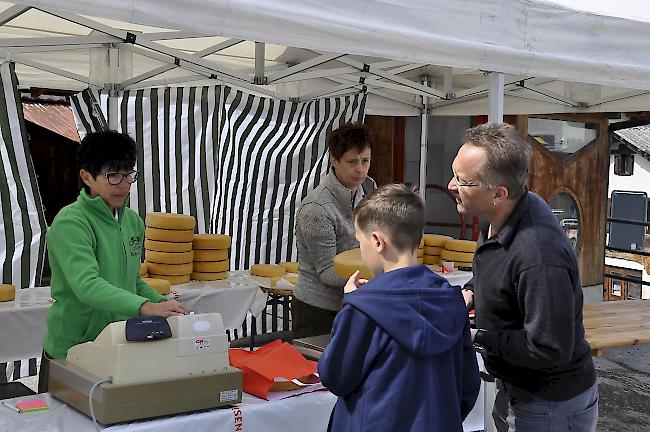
461 183
115 178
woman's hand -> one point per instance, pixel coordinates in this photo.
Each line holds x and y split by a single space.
354 283
166 308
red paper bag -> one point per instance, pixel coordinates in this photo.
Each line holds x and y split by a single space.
261 367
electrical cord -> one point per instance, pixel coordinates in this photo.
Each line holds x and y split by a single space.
90 400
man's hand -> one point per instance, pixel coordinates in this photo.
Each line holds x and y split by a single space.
468 296
167 308
353 283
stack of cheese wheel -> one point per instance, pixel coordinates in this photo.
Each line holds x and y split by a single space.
7 292
420 254
291 267
163 286
461 252
433 245
168 246
346 263
211 257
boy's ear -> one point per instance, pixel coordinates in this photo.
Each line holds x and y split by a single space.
378 240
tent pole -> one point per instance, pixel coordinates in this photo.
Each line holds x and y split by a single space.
113 61
495 97
424 123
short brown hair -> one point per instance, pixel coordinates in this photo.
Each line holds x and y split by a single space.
507 156
396 210
350 135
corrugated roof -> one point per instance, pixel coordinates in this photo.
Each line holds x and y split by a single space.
56 117
637 137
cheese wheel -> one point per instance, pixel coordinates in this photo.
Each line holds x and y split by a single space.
205 276
211 266
432 250
211 241
456 256
169 257
143 276
461 245
165 246
161 285
169 269
431 259
421 260
435 239
174 236
174 280
267 270
290 267
346 263
143 268
170 221
419 253
421 244
202 255
7 292
462 264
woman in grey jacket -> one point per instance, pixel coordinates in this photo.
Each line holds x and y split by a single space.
324 228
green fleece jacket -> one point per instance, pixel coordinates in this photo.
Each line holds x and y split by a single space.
95 261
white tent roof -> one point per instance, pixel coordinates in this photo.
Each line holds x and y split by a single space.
558 55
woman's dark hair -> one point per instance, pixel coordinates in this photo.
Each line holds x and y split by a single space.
109 150
350 135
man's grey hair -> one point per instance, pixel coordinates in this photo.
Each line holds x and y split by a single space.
507 156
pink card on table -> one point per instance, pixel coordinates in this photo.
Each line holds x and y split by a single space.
31 405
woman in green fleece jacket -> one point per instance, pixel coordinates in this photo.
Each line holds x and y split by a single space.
94 247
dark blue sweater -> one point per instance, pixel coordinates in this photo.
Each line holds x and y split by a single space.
401 357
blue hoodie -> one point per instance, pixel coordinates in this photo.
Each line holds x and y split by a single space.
401 356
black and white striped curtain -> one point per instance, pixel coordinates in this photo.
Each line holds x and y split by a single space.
271 154
23 227
239 163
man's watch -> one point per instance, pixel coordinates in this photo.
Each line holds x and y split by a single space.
478 341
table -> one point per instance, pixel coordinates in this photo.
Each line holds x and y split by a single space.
616 323
307 412
23 320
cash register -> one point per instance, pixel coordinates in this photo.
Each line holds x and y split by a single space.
115 380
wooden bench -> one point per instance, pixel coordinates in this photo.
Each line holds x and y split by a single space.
616 324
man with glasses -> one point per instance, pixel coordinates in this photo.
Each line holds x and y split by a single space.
94 247
526 290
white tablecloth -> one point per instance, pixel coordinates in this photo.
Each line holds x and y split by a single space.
22 321
304 413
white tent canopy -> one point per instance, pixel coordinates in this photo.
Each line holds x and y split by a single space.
556 59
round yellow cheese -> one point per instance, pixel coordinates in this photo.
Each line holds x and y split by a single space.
145 275
170 221
211 241
346 263
290 266
449 255
212 266
169 269
462 264
435 239
174 280
161 285
201 255
292 279
419 253
7 292
165 246
421 260
166 235
143 268
432 250
169 257
421 245
461 245
205 276
431 259
267 270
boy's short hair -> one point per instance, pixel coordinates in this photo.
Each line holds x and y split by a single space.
107 149
350 135
396 210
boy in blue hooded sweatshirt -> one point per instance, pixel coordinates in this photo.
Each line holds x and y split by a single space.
401 357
